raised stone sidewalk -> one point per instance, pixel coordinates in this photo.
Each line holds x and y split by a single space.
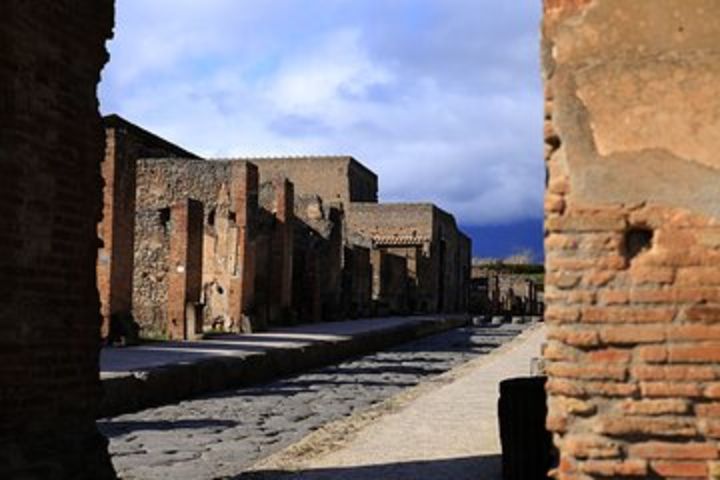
154 374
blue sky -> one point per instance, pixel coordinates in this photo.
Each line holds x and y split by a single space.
442 98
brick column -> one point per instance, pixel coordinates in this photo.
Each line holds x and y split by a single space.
632 236
115 258
184 268
282 248
244 191
51 147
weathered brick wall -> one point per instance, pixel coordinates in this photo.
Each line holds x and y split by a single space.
228 191
453 265
633 236
391 219
334 179
125 143
51 147
274 254
185 270
438 253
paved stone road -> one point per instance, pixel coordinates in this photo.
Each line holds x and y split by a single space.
219 435
444 429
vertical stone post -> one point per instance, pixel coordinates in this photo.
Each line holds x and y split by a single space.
244 191
51 147
184 269
632 219
282 248
115 257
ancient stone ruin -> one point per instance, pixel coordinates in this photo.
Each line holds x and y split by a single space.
241 245
633 236
506 290
51 147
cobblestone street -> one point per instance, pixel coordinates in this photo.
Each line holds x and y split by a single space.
218 436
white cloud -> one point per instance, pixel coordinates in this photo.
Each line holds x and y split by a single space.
439 98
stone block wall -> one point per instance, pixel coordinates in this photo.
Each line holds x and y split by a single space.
333 179
229 194
437 253
274 254
124 144
51 148
633 237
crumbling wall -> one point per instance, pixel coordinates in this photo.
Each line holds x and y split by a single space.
333 179
274 254
228 192
125 143
453 263
184 284
51 147
437 253
633 236
391 219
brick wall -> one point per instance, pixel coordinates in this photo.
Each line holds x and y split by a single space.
334 179
185 270
438 253
633 237
274 254
51 147
125 143
229 194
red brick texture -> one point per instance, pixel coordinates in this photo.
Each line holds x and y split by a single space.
242 279
125 144
185 269
51 147
632 250
282 248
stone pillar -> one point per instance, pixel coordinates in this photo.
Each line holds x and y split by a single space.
633 236
282 248
244 191
115 257
51 147
185 269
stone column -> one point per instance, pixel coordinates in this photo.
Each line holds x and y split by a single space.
244 191
51 147
115 258
633 236
282 247
185 269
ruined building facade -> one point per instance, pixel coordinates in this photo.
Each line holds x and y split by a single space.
633 237
505 290
226 194
277 241
425 241
124 144
51 149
